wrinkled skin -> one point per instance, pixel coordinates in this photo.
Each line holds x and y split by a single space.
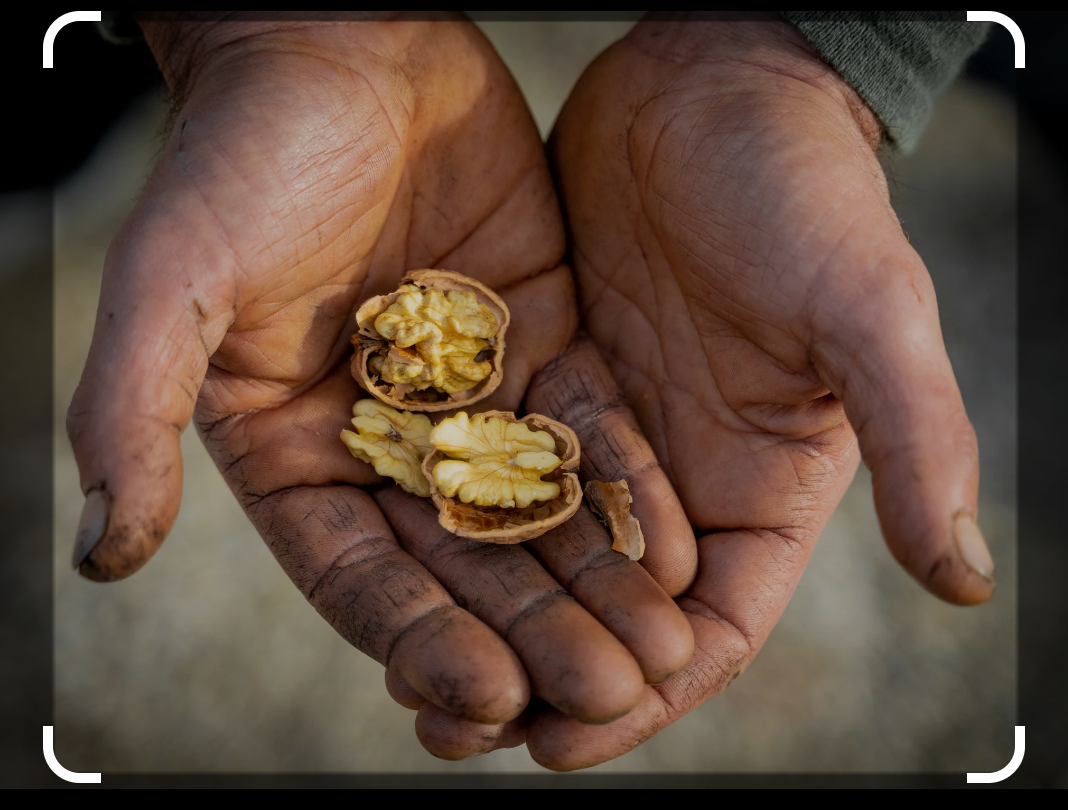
310 166
738 265
741 269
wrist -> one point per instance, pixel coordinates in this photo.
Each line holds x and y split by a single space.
186 43
746 54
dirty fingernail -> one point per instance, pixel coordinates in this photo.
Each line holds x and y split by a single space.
972 546
91 527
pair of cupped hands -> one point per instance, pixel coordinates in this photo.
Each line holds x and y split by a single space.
739 320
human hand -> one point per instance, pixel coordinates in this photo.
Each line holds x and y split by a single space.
309 167
742 270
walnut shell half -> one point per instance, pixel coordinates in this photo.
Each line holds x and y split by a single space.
514 525
375 350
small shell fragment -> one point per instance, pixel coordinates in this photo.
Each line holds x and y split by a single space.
612 502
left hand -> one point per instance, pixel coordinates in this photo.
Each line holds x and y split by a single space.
741 268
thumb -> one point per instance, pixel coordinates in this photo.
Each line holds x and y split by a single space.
146 363
885 358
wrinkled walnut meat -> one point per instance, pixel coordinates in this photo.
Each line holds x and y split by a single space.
435 343
499 479
612 502
394 443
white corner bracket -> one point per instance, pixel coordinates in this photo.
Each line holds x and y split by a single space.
91 16
1008 770
1000 19
81 778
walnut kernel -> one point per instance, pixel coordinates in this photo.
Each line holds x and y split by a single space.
499 479
435 343
395 443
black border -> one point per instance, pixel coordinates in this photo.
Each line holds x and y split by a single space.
27 679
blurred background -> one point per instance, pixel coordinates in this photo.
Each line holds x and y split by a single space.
209 660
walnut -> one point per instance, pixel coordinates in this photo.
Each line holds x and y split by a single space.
435 343
500 479
395 443
612 502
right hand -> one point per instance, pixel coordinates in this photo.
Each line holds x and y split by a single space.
310 166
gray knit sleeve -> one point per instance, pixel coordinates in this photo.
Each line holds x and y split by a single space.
899 61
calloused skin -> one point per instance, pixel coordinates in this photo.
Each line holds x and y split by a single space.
744 274
310 166
739 267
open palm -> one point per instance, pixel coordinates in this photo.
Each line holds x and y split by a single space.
741 269
311 166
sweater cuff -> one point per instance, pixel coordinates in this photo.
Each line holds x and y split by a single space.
898 61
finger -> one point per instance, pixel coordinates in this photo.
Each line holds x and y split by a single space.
886 360
745 580
334 544
401 692
619 593
447 736
573 662
153 335
283 464
578 390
